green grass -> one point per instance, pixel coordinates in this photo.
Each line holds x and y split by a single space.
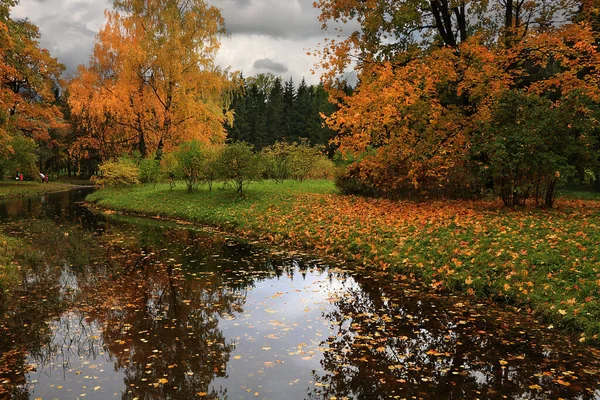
543 260
579 194
221 207
10 189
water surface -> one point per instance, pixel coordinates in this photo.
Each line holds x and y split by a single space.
117 307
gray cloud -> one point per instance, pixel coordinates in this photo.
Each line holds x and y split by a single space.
274 18
260 31
270 65
68 27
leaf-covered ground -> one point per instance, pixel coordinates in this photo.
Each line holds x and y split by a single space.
542 260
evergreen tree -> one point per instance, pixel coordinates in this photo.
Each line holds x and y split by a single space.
304 111
256 111
275 109
289 107
240 130
268 111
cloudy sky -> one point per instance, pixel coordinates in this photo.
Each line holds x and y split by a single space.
264 35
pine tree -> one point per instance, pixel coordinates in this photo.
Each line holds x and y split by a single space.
275 108
289 107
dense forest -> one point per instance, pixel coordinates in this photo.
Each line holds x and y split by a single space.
268 110
454 98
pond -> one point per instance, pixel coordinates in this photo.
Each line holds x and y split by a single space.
120 307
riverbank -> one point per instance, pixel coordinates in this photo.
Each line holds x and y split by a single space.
12 189
543 261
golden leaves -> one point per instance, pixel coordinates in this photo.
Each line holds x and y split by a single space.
183 98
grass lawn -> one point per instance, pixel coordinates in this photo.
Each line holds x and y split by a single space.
543 260
10 189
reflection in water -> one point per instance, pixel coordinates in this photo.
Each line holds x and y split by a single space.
122 308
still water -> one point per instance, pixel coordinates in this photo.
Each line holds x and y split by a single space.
118 307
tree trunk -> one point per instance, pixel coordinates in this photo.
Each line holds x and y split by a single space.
142 145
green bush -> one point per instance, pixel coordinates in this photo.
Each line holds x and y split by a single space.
212 155
169 169
238 166
21 157
191 161
531 146
323 168
119 172
297 161
304 160
278 161
149 170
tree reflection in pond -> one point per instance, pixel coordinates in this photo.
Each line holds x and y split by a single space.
125 308
392 341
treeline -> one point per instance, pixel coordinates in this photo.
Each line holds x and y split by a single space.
268 110
236 165
33 129
467 98
143 91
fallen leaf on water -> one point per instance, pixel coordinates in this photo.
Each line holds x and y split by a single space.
535 387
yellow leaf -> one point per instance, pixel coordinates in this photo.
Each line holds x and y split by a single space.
535 387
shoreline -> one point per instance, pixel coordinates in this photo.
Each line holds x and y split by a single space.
12 190
540 261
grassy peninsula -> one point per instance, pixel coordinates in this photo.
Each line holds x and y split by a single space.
545 261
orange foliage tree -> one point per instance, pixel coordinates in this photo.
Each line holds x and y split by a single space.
432 74
151 82
29 84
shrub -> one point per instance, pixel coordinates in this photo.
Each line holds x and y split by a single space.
349 181
120 172
149 170
191 162
209 170
238 166
304 160
299 161
169 169
323 168
532 145
278 161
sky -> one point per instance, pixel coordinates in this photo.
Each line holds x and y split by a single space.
264 35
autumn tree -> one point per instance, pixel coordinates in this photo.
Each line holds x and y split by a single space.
152 82
432 73
30 80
